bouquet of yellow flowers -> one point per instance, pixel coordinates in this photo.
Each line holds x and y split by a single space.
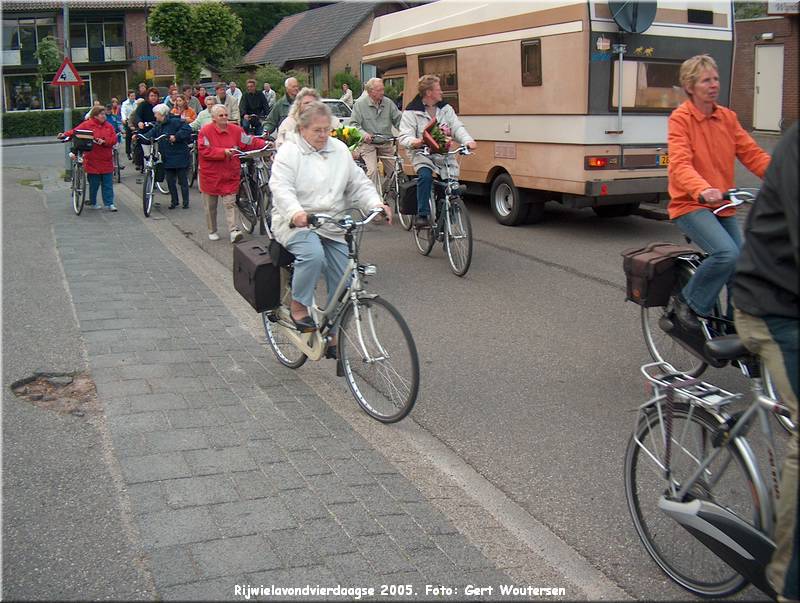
349 136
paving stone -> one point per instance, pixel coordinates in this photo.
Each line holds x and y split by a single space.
309 463
399 487
133 345
351 473
106 336
222 436
377 500
252 516
328 537
176 440
406 532
209 461
431 520
117 407
253 484
461 552
178 526
384 556
149 402
297 577
294 410
433 563
146 497
194 417
291 439
220 589
330 489
237 414
172 565
146 371
351 568
122 389
194 491
311 427
355 519
374 462
154 467
293 547
234 555
112 360
174 357
265 452
181 385
304 504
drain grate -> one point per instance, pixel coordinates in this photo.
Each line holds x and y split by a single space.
64 393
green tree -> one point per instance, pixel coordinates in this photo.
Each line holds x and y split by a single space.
258 18
349 79
195 34
270 73
49 56
749 10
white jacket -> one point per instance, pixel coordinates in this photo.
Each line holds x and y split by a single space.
326 181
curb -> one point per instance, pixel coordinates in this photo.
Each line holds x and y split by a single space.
28 143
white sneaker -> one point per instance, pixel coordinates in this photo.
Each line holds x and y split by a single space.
236 236
213 236
112 207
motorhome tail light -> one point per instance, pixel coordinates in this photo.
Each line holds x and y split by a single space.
597 163
601 162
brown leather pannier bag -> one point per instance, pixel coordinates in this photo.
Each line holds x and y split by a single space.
256 276
650 272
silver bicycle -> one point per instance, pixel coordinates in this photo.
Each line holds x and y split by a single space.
375 351
391 185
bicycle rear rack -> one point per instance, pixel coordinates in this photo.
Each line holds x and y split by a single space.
664 376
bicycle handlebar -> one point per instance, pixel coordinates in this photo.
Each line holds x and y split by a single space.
462 150
346 223
383 139
143 140
735 196
245 154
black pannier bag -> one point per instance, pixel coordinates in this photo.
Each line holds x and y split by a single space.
650 272
160 171
256 277
82 140
408 197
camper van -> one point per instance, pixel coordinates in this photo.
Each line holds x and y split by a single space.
568 100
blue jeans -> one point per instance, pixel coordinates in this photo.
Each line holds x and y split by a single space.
424 187
95 180
315 255
257 125
721 239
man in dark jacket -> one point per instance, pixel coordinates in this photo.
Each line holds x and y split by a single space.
174 151
252 108
281 109
766 294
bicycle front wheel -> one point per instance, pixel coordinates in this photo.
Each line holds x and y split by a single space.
727 482
458 237
78 190
117 170
663 347
147 193
379 358
193 174
247 207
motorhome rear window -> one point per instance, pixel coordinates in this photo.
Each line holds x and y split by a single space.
532 63
647 85
443 65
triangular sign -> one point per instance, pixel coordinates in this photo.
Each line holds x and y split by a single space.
67 75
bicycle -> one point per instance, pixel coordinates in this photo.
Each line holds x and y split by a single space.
117 166
391 186
161 186
151 160
696 495
77 185
667 342
450 221
194 161
376 352
253 197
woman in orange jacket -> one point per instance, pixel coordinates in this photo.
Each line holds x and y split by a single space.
704 141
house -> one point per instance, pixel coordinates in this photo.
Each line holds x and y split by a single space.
765 83
322 42
108 42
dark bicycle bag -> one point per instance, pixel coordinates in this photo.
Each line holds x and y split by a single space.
160 171
256 277
650 272
83 141
408 197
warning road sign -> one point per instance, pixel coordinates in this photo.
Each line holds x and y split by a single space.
67 75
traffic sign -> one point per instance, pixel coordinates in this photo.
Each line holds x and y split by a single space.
148 57
67 75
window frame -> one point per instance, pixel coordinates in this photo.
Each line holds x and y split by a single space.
530 43
450 95
636 61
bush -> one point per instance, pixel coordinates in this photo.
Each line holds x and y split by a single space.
349 79
276 77
20 124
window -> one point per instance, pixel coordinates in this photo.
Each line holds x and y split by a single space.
21 93
10 34
444 66
315 76
647 85
97 40
115 35
532 63
21 38
368 72
77 35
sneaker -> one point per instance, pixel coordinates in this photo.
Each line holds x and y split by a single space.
112 207
95 206
236 236
213 236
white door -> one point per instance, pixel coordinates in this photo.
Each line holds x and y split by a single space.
769 88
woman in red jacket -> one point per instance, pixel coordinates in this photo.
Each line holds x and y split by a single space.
98 162
219 168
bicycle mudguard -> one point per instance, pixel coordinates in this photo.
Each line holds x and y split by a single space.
728 536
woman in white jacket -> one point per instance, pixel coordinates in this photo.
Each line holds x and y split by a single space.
316 174
428 104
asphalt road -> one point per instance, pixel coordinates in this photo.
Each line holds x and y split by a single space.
529 363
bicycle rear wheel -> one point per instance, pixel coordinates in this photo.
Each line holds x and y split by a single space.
117 170
458 237
248 213
727 482
391 197
78 189
426 237
379 358
285 351
193 167
662 346
147 192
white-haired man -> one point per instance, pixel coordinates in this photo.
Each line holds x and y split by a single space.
281 109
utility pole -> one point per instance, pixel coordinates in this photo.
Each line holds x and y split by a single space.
66 93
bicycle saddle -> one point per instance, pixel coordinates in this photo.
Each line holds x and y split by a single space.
727 347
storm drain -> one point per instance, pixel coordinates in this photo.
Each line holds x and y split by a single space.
64 393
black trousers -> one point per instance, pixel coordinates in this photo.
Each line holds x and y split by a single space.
128 136
181 175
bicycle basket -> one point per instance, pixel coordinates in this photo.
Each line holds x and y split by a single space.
650 272
82 140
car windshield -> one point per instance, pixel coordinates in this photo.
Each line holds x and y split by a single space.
339 109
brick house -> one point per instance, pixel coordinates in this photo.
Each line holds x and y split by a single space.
322 42
106 43
764 90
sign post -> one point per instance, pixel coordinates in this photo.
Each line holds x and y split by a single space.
67 75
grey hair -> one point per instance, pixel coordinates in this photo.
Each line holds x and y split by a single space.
304 92
315 109
372 81
161 109
218 108
286 81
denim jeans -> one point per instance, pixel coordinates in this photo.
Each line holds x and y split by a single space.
721 239
424 187
258 126
315 255
107 182
180 174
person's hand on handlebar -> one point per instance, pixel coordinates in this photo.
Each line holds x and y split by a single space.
471 145
300 219
711 195
60 136
388 211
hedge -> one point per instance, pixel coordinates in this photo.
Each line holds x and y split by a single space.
20 124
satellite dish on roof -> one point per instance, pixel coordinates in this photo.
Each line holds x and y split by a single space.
631 16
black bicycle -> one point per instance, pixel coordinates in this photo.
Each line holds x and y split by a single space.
254 199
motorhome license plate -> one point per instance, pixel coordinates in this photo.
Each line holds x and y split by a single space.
662 160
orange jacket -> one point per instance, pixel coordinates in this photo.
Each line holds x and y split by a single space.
702 150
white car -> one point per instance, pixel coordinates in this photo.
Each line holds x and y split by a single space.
339 109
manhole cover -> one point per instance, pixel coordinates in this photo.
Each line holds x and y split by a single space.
64 393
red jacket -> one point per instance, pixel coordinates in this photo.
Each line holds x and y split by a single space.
99 160
219 174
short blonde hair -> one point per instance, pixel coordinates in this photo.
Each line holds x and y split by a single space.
304 92
692 68
317 108
427 82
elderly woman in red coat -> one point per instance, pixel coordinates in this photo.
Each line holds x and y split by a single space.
219 168
98 162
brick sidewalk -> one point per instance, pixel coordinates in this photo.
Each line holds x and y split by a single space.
237 472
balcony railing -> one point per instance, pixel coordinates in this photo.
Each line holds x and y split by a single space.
99 54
